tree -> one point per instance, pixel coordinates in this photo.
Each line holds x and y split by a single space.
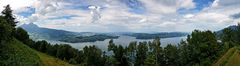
42 46
131 51
111 46
119 53
237 34
7 24
92 56
203 45
80 57
141 54
171 55
157 49
5 30
22 35
184 53
151 61
228 37
7 14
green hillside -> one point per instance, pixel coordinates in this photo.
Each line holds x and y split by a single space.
230 58
51 61
18 54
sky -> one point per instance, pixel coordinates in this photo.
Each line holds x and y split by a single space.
127 15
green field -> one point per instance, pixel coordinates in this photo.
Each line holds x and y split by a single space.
15 53
231 58
51 61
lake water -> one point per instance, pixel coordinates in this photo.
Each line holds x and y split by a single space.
122 40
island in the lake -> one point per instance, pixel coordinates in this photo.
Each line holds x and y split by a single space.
93 38
160 35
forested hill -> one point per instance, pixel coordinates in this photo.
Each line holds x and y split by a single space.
46 33
65 36
232 27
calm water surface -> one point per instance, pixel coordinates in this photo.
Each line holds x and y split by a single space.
122 40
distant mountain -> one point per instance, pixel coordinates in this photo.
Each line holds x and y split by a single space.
218 33
39 33
46 33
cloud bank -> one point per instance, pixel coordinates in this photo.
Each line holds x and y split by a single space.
127 15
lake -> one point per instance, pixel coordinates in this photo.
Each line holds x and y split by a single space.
122 40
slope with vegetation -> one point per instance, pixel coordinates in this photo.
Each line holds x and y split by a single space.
14 45
18 54
51 61
230 58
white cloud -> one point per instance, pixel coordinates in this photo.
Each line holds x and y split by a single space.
188 4
95 12
188 16
215 3
16 4
212 17
154 6
113 15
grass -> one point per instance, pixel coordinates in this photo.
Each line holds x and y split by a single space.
234 60
230 58
51 61
15 53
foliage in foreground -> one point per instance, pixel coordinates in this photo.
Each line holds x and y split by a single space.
18 54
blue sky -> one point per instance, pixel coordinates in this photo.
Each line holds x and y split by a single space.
200 4
27 13
135 6
127 15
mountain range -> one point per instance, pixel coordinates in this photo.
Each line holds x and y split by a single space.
39 33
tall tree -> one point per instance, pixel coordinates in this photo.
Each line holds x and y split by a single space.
119 53
7 23
141 53
238 34
111 45
228 37
21 35
93 56
184 53
171 55
150 61
7 14
131 51
5 30
204 47
157 50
